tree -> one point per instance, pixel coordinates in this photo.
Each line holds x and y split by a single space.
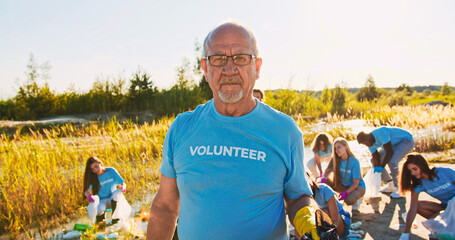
203 85
141 91
369 91
406 89
326 95
338 100
445 89
6 109
34 101
140 83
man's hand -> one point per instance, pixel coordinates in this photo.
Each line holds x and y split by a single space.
378 169
304 222
343 195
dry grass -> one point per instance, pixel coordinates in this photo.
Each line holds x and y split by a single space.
41 174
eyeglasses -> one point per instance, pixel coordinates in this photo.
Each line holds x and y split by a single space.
238 59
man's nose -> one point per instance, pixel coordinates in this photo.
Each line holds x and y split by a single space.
230 67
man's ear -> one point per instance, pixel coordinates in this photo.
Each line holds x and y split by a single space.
258 65
204 67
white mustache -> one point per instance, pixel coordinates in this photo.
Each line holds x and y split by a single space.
230 81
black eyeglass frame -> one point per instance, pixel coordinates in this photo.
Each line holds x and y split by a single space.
250 57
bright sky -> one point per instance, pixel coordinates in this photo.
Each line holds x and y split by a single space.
305 44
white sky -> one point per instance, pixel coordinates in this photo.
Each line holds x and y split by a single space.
304 44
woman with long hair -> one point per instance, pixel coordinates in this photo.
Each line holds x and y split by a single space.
416 177
322 149
100 188
347 177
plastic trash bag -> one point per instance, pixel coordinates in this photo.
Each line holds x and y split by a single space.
123 209
92 209
373 184
72 234
442 226
107 236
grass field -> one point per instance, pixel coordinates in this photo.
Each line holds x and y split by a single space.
41 172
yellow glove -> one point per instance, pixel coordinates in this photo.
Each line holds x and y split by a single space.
305 222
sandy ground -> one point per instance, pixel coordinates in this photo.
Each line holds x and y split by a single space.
382 218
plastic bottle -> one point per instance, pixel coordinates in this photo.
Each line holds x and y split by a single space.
108 216
360 232
356 225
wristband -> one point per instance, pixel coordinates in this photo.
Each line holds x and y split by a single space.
90 198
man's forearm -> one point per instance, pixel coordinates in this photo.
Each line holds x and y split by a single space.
161 225
298 204
387 158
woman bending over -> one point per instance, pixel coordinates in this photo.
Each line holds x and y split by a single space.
327 201
416 177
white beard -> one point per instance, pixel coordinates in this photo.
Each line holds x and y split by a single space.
230 98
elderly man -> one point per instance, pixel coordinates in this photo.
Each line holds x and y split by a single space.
223 175
388 146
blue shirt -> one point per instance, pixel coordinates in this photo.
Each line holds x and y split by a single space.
325 153
323 195
108 182
232 172
442 186
352 172
383 135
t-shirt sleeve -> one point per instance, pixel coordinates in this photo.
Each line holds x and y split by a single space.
117 178
326 192
448 173
296 184
418 189
167 163
372 149
381 136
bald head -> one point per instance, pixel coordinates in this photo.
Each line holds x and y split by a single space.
230 28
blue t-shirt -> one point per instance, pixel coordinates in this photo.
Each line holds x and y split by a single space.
325 153
352 172
108 182
383 135
323 195
442 186
232 172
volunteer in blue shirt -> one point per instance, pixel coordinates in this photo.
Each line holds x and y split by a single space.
322 149
347 177
388 146
230 165
416 177
100 188
327 201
